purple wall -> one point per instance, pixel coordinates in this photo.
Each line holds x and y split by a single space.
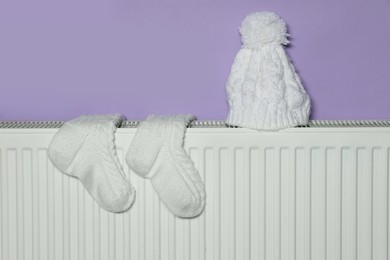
60 59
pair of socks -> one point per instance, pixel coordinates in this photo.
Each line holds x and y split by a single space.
85 148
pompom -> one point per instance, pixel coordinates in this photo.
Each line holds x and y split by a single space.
263 28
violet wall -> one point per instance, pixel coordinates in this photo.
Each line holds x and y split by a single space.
60 59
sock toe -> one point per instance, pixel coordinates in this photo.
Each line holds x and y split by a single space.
181 202
118 203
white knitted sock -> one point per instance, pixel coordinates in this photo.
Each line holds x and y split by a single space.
157 153
84 148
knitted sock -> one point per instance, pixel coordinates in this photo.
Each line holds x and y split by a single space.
85 148
157 153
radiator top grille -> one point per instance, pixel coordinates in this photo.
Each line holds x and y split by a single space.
206 124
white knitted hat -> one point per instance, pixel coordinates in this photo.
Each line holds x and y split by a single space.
264 91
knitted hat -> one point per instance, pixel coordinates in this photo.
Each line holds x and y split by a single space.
264 91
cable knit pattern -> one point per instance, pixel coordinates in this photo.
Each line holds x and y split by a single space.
157 153
85 148
264 91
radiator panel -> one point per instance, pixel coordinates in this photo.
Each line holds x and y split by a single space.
295 194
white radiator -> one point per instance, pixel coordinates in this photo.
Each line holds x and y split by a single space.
303 193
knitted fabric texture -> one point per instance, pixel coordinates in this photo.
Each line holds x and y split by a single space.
264 90
85 148
156 152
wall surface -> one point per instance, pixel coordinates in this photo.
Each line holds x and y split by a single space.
60 59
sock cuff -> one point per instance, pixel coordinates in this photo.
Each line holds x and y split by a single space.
166 126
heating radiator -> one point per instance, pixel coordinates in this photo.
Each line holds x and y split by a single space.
317 192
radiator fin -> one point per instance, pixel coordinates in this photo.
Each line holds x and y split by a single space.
287 206
349 203
379 203
303 203
333 203
318 203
